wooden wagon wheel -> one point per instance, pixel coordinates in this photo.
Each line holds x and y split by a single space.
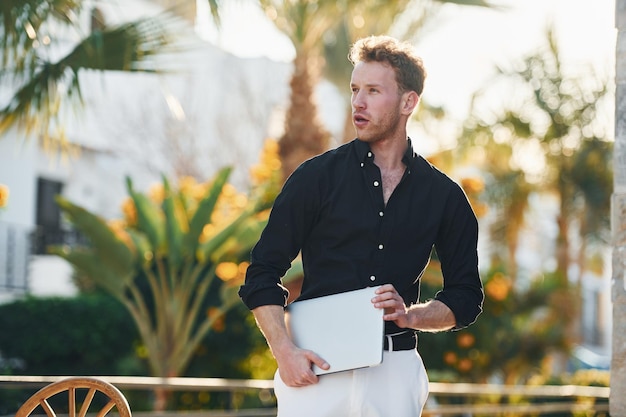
88 387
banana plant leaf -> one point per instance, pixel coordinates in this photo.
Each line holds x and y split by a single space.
239 245
142 246
97 269
106 245
173 230
208 249
203 213
149 219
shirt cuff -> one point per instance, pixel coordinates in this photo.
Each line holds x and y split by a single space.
276 295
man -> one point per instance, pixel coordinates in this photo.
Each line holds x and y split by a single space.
368 213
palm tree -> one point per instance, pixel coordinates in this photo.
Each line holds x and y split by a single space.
34 59
506 190
305 23
377 17
329 27
557 115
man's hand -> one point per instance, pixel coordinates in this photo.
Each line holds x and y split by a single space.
295 366
431 316
395 310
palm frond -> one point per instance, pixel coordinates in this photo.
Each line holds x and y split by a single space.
35 107
21 23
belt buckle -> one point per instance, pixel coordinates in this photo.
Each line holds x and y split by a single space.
390 346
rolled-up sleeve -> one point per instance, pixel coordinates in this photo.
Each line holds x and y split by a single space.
456 247
280 242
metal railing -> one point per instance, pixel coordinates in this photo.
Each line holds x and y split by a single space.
470 399
18 242
44 237
15 249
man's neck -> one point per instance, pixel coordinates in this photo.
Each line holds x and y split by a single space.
389 153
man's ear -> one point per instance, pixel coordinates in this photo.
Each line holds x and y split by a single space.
410 101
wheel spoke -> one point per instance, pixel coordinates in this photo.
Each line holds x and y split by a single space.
46 407
105 410
71 393
87 402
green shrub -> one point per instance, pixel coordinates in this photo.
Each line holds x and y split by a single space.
85 335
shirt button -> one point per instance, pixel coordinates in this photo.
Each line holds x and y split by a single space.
380 246
362 164
376 183
381 214
372 278
369 154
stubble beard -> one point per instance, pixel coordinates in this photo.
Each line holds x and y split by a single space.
380 131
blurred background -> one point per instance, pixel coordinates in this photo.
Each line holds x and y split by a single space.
142 144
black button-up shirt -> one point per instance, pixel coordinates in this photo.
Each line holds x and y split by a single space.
332 210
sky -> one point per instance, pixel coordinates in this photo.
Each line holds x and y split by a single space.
463 45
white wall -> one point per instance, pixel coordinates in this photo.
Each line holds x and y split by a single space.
18 168
215 107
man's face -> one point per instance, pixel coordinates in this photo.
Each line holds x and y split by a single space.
376 102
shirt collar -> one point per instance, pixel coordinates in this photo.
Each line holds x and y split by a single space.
364 152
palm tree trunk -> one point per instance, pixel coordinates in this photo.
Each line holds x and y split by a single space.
161 398
304 135
348 127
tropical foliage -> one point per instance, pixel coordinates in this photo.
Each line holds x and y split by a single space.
551 120
510 342
162 259
545 139
39 58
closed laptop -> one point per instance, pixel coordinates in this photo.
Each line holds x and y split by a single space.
344 329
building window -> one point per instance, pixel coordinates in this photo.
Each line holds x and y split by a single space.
51 230
48 218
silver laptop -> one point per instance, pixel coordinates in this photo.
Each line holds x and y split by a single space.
344 329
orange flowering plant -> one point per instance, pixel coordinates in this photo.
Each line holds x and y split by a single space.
176 240
511 338
4 196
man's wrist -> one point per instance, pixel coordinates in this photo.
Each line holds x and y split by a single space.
282 348
413 318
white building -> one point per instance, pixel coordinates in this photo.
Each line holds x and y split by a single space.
211 110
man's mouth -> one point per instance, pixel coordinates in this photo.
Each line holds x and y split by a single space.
359 120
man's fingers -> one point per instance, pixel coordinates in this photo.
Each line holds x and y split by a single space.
313 357
386 292
305 375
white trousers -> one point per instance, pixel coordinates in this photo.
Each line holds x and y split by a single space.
398 387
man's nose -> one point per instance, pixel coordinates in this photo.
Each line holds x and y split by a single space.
357 101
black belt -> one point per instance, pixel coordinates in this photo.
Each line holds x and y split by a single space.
401 341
